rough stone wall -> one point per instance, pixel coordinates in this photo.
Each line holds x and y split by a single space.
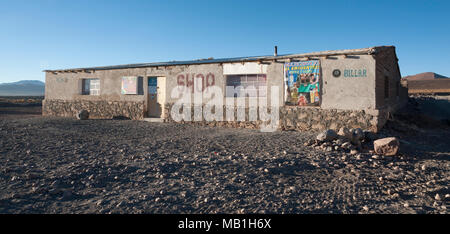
300 119
233 124
305 119
97 108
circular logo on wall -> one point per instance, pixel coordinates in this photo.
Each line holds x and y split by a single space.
336 72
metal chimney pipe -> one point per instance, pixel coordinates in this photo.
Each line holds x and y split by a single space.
276 51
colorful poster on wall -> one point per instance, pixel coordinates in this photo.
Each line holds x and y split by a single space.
302 82
129 85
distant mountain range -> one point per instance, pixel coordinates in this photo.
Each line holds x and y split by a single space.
23 88
425 76
428 83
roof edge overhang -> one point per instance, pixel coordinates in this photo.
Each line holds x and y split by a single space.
313 55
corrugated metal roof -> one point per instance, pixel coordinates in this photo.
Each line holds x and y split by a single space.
370 50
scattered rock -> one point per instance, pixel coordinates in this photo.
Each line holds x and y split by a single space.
121 203
100 202
386 146
64 158
345 133
67 195
424 167
347 145
366 208
309 143
327 135
339 141
437 197
357 135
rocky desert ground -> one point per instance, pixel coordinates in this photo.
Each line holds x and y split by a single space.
64 165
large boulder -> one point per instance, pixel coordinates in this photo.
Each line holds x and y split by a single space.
327 135
386 146
83 115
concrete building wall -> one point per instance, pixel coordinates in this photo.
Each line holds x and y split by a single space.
354 89
343 92
357 93
213 74
63 95
67 86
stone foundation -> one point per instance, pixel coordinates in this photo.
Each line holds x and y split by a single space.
311 118
300 119
233 124
97 109
291 117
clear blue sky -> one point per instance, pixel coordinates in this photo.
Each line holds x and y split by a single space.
51 34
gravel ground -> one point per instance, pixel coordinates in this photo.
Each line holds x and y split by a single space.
20 107
61 165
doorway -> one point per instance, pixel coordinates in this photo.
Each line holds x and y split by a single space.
156 96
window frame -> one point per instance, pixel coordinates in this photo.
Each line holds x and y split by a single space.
93 89
258 83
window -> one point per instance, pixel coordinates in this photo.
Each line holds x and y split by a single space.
386 87
132 85
91 87
254 85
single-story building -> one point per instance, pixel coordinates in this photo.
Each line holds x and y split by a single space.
316 91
